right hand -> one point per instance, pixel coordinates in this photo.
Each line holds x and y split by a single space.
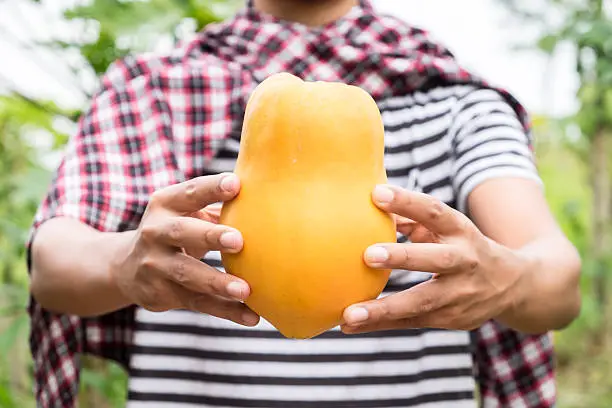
161 269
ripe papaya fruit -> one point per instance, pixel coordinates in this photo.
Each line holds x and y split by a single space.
310 156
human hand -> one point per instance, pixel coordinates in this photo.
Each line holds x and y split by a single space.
161 269
475 279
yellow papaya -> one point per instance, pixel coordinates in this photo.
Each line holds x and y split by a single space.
310 155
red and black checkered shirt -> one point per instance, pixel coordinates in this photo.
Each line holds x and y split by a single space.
112 167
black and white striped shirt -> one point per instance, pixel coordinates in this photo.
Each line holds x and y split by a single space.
443 142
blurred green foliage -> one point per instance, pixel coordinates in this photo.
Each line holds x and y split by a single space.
32 132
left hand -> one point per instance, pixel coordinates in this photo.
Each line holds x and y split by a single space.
475 279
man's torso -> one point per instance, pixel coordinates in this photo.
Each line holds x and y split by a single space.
183 359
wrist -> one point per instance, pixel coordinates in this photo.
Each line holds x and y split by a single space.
72 275
120 247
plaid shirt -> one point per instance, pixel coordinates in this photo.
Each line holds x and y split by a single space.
127 146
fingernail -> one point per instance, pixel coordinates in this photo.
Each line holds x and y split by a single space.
376 254
250 319
228 183
383 194
356 315
237 290
231 239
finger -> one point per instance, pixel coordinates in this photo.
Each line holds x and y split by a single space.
404 225
420 234
213 212
210 213
448 317
215 306
443 318
408 308
422 208
413 323
196 276
195 234
423 257
225 309
197 193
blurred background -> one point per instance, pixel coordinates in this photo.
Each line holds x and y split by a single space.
555 56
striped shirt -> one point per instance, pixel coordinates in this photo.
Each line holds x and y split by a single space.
443 142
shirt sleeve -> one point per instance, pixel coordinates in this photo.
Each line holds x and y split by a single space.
488 141
121 152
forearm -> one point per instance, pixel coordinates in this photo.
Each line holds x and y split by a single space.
547 297
71 265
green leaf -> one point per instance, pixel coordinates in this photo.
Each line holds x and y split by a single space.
102 53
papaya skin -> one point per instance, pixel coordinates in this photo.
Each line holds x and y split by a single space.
310 156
